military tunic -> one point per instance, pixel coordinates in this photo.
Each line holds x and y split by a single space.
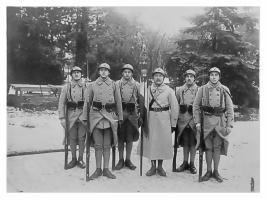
73 91
215 96
105 92
158 144
130 93
186 96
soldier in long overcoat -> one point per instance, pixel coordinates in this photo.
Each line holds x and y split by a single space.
162 120
72 98
104 101
131 104
186 126
215 101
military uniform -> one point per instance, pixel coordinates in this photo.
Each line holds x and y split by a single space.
215 96
185 96
128 133
104 101
162 118
72 96
217 107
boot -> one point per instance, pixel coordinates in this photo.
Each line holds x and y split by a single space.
130 165
192 168
207 176
183 167
108 174
98 172
161 171
217 176
80 163
72 163
119 165
152 171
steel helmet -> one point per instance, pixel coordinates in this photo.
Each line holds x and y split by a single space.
127 66
159 70
215 69
104 65
190 71
75 68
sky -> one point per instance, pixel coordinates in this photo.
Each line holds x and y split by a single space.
167 20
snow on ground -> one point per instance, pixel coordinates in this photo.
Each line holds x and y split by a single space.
45 173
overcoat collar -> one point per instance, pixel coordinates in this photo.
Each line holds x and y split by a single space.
100 81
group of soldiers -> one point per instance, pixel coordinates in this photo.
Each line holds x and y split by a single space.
117 110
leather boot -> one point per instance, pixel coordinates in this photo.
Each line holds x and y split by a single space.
130 165
98 172
161 171
152 171
72 163
81 163
108 173
217 176
192 168
119 165
183 167
207 176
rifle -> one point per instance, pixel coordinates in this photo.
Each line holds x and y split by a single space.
113 157
144 73
201 145
66 143
175 149
88 141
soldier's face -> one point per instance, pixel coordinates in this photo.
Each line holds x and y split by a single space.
189 79
158 78
127 74
76 75
214 77
103 72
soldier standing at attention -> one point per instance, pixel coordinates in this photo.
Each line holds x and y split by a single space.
72 98
128 133
186 126
215 101
162 120
104 100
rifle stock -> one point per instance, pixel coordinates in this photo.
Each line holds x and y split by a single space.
113 157
175 146
66 143
88 141
201 146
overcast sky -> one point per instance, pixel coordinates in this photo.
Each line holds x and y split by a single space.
166 19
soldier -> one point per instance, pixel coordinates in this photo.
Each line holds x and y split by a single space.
72 97
128 133
104 100
186 126
162 120
215 101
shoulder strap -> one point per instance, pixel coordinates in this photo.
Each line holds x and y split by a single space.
153 100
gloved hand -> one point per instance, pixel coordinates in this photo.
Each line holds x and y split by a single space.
173 129
63 122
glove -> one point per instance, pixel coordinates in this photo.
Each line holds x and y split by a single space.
63 122
173 129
